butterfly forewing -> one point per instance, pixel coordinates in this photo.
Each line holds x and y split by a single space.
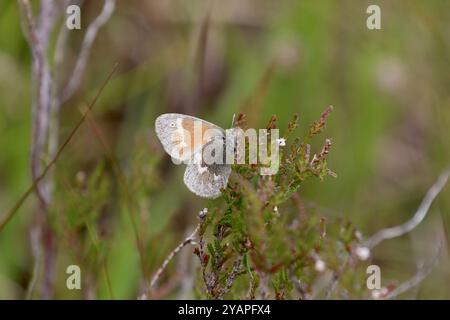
182 135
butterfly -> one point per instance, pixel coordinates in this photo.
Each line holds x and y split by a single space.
188 139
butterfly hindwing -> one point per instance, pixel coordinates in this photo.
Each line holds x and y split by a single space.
207 181
208 174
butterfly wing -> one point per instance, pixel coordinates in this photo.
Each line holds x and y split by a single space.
207 180
182 135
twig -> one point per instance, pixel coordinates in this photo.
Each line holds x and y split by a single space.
45 106
335 278
60 46
38 35
36 251
10 214
332 286
89 37
299 287
231 276
172 254
254 282
263 287
49 243
58 59
185 271
420 214
421 274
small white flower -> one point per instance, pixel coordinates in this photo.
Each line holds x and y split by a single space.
275 210
319 265
380 293
281 142
363 253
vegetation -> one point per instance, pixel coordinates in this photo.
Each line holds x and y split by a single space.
84 180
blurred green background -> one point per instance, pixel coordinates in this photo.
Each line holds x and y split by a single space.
390 125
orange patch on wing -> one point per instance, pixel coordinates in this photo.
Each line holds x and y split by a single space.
191 142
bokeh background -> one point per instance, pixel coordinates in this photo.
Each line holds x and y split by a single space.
390 125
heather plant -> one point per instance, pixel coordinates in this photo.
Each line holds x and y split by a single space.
261 240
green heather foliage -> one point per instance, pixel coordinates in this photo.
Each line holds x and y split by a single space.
260 240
